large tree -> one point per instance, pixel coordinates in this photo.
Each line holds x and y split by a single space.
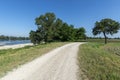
106 26
57 29
45 24
52 29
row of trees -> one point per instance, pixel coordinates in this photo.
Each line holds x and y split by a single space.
50 28
106 26
2 37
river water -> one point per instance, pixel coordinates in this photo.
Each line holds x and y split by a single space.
13 42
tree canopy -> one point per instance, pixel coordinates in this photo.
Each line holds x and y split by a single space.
50 28
106 26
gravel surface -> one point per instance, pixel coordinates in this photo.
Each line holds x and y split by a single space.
59 64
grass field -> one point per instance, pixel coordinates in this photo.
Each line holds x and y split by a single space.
99 61
12 58
103 40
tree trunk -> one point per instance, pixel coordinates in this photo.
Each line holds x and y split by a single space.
105 40
105 37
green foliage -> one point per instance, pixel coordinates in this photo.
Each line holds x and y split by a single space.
46 26
35 37
99 61
57 29
52 29
106 26
80 33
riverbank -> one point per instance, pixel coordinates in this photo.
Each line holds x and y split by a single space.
13 42
15 46
49 64
13 58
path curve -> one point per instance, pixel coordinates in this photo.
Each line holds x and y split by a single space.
59 64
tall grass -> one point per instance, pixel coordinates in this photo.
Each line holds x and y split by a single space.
99 62
12 58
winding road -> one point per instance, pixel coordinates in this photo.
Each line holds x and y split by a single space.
59 64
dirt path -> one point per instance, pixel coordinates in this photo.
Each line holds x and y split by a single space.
59 64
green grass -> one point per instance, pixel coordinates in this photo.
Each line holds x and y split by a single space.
99 61
12 58
103 40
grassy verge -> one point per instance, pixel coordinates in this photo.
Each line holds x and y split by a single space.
100 62
103 40
12 58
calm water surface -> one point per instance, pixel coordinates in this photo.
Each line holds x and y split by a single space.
13 42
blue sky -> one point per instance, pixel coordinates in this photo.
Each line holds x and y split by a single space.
17 17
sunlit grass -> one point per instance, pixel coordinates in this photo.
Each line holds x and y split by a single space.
12 58
99 61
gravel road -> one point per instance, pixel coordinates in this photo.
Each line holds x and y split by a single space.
59 64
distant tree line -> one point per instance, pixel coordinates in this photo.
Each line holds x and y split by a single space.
50 29
2 37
